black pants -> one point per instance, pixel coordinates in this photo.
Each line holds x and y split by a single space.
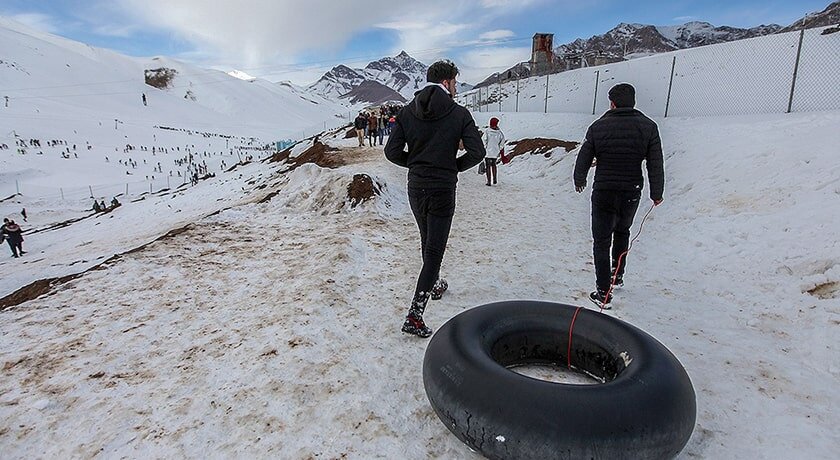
433 210
16 246
490 166
612 216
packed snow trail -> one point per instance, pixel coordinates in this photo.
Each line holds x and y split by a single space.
273 329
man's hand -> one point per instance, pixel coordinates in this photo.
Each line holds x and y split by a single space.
658 202
579 188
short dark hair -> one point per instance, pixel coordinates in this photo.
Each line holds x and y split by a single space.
623 95
441 70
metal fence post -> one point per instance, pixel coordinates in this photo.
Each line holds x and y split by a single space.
91 191
546 93
17 186
517 93
595 99
795 70
500 93
670 85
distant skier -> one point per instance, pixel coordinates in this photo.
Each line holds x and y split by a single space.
431 125
619 141
494 143
23 213
14 236
144 99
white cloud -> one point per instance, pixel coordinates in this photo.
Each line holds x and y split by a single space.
504 4
112 30
478 64
258 31
252 35
497 34
37 21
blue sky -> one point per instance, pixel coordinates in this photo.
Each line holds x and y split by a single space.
299 40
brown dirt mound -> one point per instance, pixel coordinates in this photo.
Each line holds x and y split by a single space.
318 154
38 288
361 189
540 146
34 290
282 155
351 133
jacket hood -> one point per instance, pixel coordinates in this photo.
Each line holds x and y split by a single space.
431 103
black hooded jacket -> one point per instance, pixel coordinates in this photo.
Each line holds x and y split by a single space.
433 125
620 140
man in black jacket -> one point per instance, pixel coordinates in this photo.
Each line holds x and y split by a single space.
433 125
359 124
618 141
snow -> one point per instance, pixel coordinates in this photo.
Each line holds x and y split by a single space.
270 329
751 76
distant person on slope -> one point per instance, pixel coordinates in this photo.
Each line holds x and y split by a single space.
619 141
14 236
360 123
373 121
432 126
381 127
494 143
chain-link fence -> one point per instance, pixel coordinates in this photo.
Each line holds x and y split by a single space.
791 72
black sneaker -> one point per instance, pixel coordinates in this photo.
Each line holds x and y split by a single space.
619 280
415 326
439 288
599 298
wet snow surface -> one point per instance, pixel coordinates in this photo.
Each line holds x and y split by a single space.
271 330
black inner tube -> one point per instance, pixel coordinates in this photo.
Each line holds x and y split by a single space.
548 348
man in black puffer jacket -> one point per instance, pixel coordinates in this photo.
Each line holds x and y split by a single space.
619 141
433 125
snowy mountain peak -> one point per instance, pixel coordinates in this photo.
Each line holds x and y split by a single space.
401 74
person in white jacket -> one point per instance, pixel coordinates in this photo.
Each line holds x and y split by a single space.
494 144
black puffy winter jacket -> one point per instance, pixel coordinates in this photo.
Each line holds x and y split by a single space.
619 141
432 125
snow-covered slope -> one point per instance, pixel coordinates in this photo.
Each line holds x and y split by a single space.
634 40
272 329
48 77
744 76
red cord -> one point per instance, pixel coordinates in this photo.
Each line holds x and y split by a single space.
621 256
612 284
571 328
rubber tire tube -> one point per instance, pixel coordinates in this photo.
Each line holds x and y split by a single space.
646 407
